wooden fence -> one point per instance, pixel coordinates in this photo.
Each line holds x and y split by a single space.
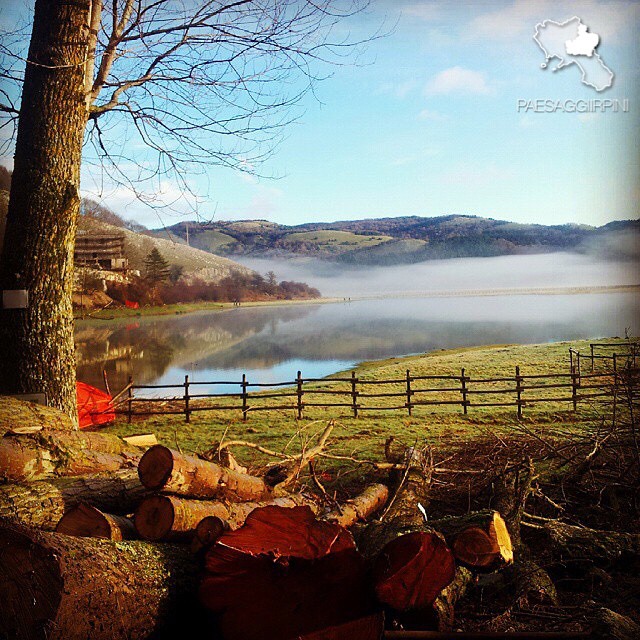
610 354
358 395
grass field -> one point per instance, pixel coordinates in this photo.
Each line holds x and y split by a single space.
337 241
444 426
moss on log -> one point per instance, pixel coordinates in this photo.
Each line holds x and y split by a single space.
66 588
19 415
42 503
62 453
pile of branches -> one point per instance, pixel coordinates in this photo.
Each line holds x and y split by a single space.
103 539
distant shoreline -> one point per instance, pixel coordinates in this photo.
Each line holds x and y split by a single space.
524 291
179 309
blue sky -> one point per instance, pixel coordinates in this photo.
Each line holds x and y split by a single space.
428 125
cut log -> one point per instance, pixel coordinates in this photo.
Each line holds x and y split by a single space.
412 570
58 587
17 415
171 518
479 540
162 517
285 575
569 542
62 453
360 507
41 504
86 521
208 531
411 563
163 469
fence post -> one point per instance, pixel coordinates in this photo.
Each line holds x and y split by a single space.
299 391
244 397
519 392
615 377
130 399
570 359
187 413
409 392
574 388
463 390
591 357
354 394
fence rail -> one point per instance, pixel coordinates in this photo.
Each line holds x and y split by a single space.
360 394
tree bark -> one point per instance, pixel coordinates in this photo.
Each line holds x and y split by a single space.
360 507
162 469
66 588
86 521
569 542
18 415
170 518
48 454
164 517
411 563
43 208
42 504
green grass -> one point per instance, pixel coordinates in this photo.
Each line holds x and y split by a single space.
188 307
337 241
211 240
445 426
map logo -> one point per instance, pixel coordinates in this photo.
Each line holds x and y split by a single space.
572 44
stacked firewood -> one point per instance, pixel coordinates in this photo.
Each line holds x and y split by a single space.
99 539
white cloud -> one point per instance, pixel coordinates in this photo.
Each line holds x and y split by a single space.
458 80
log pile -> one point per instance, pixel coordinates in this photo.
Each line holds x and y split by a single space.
87 520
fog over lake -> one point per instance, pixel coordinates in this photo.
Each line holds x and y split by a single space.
271 343
461 274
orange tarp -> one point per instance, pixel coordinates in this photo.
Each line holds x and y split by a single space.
94 406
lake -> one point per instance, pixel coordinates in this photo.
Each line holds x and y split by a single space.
270 344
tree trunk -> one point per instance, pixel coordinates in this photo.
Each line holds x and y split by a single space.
57 453
86 521
43 208
42 504
162 469
66 588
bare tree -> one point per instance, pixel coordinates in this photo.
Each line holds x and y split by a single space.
198 82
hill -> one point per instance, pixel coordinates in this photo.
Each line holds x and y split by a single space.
386 241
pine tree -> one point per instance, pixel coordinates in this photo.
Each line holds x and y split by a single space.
156 267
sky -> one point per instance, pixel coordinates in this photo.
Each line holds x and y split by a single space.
427 123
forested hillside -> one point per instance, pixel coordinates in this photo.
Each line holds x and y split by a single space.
406 239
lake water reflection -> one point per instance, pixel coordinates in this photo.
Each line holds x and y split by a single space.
271 343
